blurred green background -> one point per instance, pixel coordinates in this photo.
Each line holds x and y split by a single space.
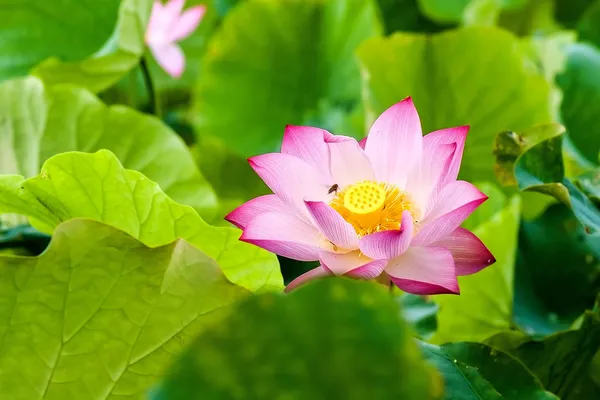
524 74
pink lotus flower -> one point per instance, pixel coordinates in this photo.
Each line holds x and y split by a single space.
166 27
389 207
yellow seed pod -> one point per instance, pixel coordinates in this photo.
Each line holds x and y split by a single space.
364 198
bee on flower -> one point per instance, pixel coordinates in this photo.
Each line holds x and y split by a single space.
394 212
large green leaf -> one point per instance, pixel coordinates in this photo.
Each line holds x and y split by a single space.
70 29
37 123
96 186
567 362
534 158
99 315
555 256
331 339
120 53
484 306
273 63
509 146
470 76
461 381
581 96
478 372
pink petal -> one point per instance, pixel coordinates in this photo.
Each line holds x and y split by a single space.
163 19
456 202
394 143
157 20
349 163
332 225
457 135
421 288
308 144
362 143
452 196
341 264
157 7
368 271
330 138
173 9
424 270
187 23
242 215
469 253
284 234
292 179
428 177
315 273
389 244
170 57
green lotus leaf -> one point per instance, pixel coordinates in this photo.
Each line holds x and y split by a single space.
96 186
477 371
101 315
120 53
291 59
567 363
330 339
534 160
37 122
